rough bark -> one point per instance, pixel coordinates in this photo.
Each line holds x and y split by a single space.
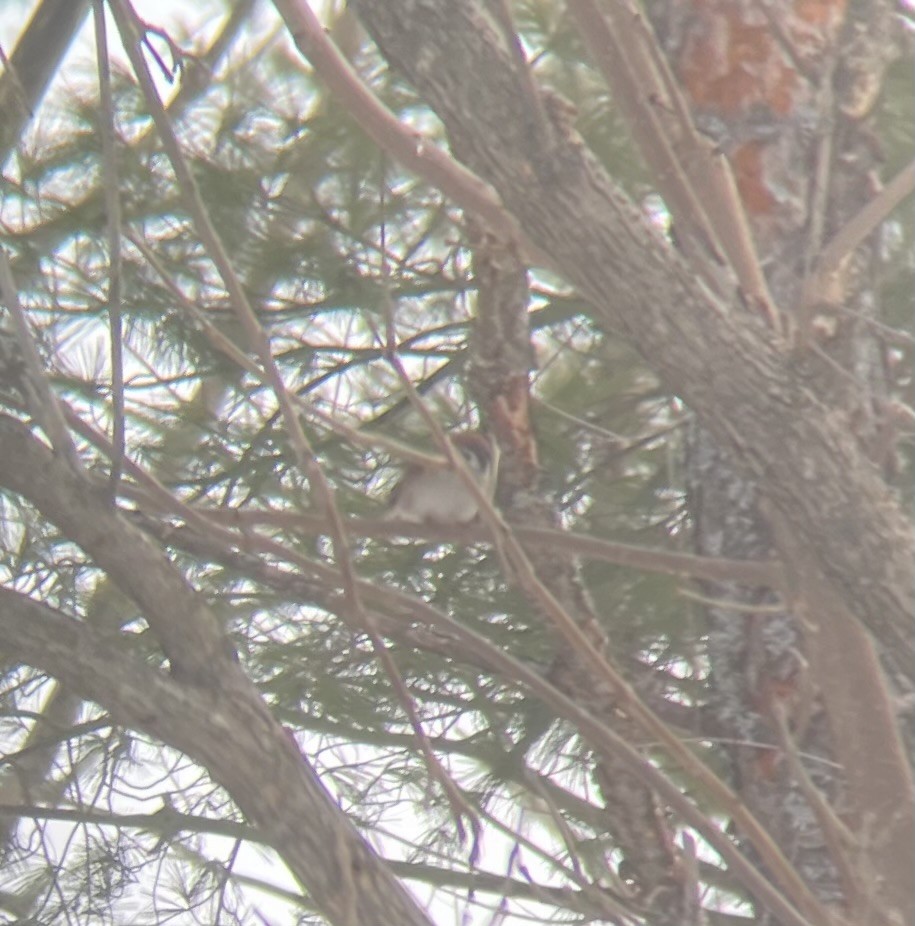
502 357
755 657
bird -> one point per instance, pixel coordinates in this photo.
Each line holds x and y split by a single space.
433 495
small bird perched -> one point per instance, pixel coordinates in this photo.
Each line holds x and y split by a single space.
439 496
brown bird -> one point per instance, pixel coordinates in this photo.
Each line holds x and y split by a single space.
439 496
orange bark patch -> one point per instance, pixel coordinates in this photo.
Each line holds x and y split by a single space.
732 62
510 415
749 173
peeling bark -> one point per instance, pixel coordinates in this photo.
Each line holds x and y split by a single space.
502 357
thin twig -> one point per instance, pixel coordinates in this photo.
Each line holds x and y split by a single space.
410 609
728 604
612 902
867 219
113 210
752 573
410 149
460 808
771 854
692 896
127 25
373 440
301 448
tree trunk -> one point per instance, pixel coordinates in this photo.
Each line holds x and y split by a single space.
788 438
758 87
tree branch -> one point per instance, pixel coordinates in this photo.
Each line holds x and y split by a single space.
406 146
232 734
34 63
188 631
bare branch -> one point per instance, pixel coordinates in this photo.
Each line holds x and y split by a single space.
722 361
113 210
695 181
819 287
423 158
189 633
410 609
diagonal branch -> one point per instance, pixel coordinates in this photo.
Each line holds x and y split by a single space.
383 127
188 631
33 64
829 262
41 402
113 222
411 610
301 446
232 733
